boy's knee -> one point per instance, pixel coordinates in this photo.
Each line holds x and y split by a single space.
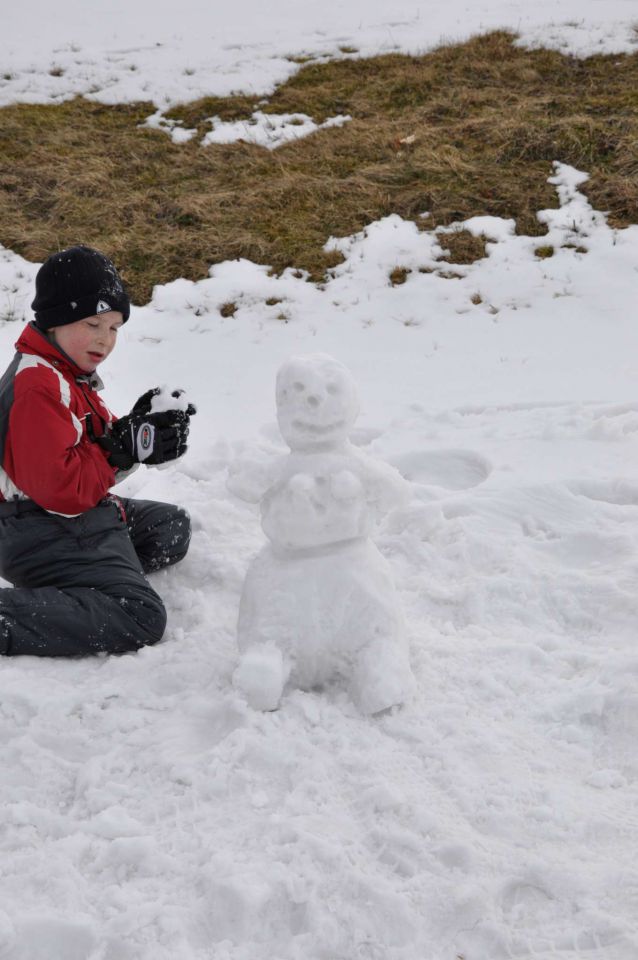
165 538
176 538
155 621
182 534
146 615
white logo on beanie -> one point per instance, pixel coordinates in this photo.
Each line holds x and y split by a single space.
103 307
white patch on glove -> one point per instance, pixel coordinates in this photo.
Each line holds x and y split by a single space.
143 441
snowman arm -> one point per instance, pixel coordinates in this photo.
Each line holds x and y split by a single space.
250 479
385 487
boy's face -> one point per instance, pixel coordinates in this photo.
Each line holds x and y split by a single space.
88 342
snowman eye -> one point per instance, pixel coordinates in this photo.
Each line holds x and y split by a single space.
299 387
332 388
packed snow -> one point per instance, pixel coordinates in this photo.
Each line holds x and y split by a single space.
150 813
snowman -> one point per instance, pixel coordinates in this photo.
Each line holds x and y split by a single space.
319 603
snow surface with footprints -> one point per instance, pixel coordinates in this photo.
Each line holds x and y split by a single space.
149 814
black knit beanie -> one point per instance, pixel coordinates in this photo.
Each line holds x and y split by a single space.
77 283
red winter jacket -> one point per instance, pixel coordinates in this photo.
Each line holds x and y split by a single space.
45 450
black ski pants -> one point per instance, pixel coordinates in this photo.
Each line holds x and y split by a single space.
79 582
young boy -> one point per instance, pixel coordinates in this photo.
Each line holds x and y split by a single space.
76 554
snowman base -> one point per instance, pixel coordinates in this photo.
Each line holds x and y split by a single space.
310 617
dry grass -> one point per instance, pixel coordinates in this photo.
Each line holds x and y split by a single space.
399 275
466 130
461 246
228 309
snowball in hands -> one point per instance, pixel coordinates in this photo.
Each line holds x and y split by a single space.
169 398
318 601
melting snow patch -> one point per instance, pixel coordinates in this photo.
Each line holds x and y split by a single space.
269 130
174 128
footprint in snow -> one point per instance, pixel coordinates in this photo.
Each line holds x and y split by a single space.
618 492
451 469
541 922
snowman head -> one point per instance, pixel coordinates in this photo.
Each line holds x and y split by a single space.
317 402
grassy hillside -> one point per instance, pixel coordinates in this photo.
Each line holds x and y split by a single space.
483 121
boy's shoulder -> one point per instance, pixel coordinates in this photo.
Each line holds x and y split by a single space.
39 369
35 343
38 364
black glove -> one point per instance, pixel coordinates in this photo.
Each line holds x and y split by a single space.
143 405
144 437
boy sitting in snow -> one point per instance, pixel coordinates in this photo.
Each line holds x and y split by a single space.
76 554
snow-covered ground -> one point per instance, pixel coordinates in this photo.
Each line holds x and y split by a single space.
122 50
148 813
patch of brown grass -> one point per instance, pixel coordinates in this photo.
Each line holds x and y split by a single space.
466 130
399 275
461 246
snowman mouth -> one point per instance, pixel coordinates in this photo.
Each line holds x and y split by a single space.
316 429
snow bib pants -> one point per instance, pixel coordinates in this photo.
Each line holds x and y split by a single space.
79 582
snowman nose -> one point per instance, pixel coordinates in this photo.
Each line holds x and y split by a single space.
312 400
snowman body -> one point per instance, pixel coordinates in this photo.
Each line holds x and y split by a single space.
319 602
